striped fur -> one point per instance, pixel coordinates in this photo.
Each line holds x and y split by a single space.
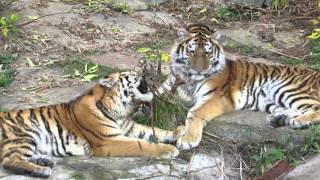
290 94
96 123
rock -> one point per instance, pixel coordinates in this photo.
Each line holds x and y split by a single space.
201 166
139 4
157 17
309 170
248 126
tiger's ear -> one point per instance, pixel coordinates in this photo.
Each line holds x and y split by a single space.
108 82
181 32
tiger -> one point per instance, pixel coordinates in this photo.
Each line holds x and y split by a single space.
201 74
97 123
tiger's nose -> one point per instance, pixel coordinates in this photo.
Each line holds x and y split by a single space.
199 65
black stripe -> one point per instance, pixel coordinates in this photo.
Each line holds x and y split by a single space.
33 119
72 110
8 154
19 141
210 91
60 129
298 99
45 122
113 135
139 144
282 94
104 111
130 130
268 106
141 134
204 82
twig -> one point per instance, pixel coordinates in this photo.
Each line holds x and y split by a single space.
280 53
190 164
7 5
212 135
161 18
240 162
29 22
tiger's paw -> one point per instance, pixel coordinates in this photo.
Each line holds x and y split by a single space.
44 172
297 124
42 162
187 142
180 131
167 151
275 121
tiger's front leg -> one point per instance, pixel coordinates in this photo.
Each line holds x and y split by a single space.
128 146
197 118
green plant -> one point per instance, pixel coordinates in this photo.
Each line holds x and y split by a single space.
96 5
6 72
262 158
246 50
279 4
122 7
168 113
79 62
315 54
8 24
154 54
294 61
224 12
315 34
87 73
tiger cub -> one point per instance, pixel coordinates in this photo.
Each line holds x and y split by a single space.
216 85
97 123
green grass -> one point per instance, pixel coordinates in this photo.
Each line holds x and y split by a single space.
314 62
294 61
262 157
121 7
169 113
99 6
246 50
279 4
7 74
69 68
225 12
315 54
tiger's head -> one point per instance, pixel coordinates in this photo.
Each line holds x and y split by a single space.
123 92
197 54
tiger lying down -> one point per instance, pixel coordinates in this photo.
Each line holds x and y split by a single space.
215 85
96 123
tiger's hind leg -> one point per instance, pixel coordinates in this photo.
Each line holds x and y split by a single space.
305 120
294 118
42 161
280 117
17 156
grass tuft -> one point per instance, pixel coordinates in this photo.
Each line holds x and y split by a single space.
7 74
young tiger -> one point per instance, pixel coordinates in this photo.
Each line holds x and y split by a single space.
96 123
216 85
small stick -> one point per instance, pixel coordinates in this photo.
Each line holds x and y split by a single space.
280 53
212 135
29 22
160 18
190 164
